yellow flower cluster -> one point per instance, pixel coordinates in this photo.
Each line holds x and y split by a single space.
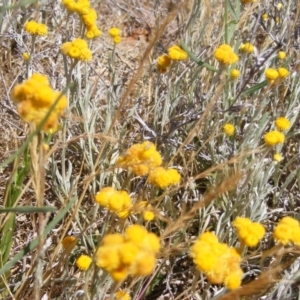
220 263
163 178
87 14
131 254
140 158
281 55
234 74
225 55
163 62
274 137
282 123
83 262
35 28
250 233
115 33
176 53
273 74
122 295
26 56
228 129
116 201
77 49
277 157
35 97
247 48
287 231
146 209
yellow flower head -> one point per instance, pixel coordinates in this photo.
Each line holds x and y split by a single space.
234 74
141 158
281 55
83 262
274 137
247 48
133 254
283 72
34 97
228 129
176 53
117 201
69 242
35 28
282 124
163 62
114 32
148 215
250 233
122 295
218 261
26 56
225 55
277 157
265 17
77 49
271 74
117 40
163 178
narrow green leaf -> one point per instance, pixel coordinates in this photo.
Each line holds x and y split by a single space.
28 209
194 58
33 244
255 88
229 5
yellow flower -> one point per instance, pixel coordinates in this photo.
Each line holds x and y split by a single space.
282 124
283 72
225 55
163 178
234 74
122 295
34 97
219 262
163 62
90 18
148 215
250 233
117 201
83 262
133 254
277 157
26 56
114 32
271 74
77 49
176 53
247 48
233 280
279 6
140 158
274 137
35 28
228 129
69 242
117 39
265 17
281 55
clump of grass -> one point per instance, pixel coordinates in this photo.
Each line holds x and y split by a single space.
180 143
